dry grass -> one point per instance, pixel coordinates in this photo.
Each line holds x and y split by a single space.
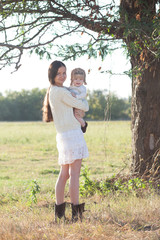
113 217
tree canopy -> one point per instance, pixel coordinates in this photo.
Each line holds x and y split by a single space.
34 26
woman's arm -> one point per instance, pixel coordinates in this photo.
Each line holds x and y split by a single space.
71 101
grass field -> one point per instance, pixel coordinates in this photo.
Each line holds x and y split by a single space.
28 152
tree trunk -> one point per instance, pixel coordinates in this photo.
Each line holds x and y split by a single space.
145 119
145 85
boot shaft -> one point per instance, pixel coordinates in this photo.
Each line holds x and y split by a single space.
77 211
60 211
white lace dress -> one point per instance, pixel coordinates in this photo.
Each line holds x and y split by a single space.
71 146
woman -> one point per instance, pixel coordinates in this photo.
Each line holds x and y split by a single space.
58 105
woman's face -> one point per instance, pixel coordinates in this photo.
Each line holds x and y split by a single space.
60 77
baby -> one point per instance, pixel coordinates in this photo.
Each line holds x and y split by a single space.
78 90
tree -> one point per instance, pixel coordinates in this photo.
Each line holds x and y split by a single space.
22 106
35 25
97 105
107 106
119 108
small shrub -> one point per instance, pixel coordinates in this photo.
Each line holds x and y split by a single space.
34 189
89 187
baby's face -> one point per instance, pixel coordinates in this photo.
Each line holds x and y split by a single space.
78 80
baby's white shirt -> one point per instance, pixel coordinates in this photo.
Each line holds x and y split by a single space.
80 92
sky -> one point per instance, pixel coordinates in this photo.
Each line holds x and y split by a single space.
34 74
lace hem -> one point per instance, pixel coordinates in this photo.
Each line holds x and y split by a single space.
71 155
71 146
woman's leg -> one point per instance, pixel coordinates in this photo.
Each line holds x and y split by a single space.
74 169
60 184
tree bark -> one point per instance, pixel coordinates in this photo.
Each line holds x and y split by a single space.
145 86
145 119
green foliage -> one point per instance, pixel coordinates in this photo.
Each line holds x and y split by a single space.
97 103
71 52
41 52
99 25
27 106
113 184
34 189
136 183
120 108
22 106
105 106
87 187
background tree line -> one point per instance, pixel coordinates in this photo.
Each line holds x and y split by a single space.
27 106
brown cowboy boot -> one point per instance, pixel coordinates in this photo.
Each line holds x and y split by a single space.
60 211
77 211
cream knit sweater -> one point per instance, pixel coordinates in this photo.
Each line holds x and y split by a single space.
62 103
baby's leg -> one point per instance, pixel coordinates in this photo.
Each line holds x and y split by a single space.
79 114
82 122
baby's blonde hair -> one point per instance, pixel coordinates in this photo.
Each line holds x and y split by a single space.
78 71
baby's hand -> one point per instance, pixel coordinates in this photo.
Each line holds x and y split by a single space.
73 94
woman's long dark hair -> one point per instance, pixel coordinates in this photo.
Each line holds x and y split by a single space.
52 72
